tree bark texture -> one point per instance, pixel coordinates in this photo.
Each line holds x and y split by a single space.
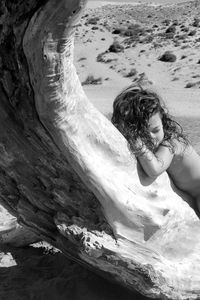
66 173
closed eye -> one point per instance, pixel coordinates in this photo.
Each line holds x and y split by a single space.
155 130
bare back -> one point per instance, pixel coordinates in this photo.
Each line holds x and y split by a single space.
184 170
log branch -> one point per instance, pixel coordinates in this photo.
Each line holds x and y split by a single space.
73 180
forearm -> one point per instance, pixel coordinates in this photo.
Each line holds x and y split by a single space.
144 178
154 164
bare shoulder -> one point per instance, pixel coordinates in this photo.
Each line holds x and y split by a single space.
180 148
185 155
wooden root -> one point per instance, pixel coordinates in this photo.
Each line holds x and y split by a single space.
147 238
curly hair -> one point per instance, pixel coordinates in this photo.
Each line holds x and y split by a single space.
133 108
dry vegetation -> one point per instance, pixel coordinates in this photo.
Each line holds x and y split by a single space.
167 32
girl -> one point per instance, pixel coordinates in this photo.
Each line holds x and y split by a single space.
157 141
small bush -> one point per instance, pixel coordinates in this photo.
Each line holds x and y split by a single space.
192 32
181 36
101 58
175 79
191 84
177 44
156 45
175 22
169 35
185 29
82 58
95 28
147 39
171 29
166 22
133 30
116 47
183 56
131 73
93 21
91 80
168 56
196 76
185 47
196 22
129 32
118 31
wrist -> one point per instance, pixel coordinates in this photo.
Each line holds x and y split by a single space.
141 148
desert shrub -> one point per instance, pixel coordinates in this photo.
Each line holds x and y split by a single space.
82 58
196 76
118 31
147 39
169 35
181 36
129 32
183 56
175 22
177 44
192 32
168 56
133 30
156 45
134 26
191 84
171 29
93 21
149 30
166 22
185 29
91 80
196 22
131 41
131 73
95 28
175 79
116 47
101 58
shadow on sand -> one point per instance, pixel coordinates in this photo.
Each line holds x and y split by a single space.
41 274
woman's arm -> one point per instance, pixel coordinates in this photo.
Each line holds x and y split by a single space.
155 164
145 180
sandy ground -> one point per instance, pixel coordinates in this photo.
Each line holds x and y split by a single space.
178 82
41 272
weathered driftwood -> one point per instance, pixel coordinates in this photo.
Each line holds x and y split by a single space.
66 173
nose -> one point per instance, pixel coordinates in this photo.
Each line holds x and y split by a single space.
152 135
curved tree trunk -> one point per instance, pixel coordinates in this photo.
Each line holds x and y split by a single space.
66 173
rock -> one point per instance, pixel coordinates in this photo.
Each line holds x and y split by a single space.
167 57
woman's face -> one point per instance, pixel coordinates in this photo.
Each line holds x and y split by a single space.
155 128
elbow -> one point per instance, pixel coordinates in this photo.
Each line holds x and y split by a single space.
154 173
148 181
